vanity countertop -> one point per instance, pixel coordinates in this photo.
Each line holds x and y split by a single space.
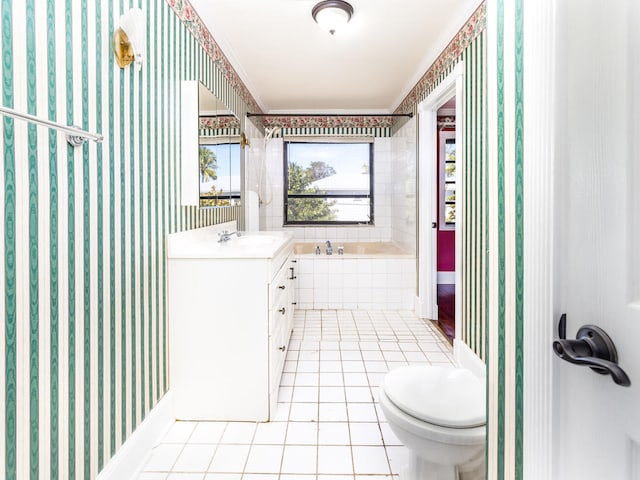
203 243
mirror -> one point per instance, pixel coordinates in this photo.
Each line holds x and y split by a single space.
211 154
218 152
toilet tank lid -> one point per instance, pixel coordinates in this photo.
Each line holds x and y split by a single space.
446 396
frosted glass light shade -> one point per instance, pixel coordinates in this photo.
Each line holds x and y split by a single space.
331 15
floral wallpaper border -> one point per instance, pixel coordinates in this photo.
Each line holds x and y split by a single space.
221 121
365 121
474 26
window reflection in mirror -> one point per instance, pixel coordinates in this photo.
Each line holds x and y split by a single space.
219 161
218 152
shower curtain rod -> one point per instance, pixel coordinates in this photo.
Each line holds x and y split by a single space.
75 136
410 115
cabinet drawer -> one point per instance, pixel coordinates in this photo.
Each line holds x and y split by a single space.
278 345
279 314
281 283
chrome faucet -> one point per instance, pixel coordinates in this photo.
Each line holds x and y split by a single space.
328 250
225 235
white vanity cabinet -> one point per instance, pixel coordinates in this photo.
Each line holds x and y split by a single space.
230 320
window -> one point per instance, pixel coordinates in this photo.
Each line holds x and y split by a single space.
219 172
447 180
328 183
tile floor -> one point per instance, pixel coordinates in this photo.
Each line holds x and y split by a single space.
328 425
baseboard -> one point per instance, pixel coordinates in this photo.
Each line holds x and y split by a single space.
420 309
133 454
466 358
447 277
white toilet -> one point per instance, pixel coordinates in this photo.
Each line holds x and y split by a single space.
438 413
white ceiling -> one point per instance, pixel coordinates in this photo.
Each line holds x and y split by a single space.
290 65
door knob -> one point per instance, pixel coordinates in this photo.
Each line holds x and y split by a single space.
593 348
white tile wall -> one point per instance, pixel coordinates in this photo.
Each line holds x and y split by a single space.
403 201
272 210
355 283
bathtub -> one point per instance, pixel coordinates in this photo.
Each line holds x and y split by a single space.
360 249
368 276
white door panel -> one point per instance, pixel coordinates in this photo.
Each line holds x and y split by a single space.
597 426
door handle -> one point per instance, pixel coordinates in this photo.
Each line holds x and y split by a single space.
593 348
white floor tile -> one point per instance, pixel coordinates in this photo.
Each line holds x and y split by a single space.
333 433
333 412
264 459
307 380
299 459
305 394
194 458
185 476
365 433
152 476
332 394
239 432
223 476
353 366
334 459
302 433
330 366
326 425
362 412
179 432
358 394
270 433
207 432
351 355
260 476
331 379
371 460
354 379
303 412
229 458
329 355
308 366
373 355
163 457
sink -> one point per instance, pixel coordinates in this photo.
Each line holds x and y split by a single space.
253 240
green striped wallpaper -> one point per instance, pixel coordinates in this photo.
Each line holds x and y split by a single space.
506 239
82 243
493 235
470 47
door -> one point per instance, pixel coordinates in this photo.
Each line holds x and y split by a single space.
596 422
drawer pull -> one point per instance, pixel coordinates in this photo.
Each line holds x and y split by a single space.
281 287
282 310
282 348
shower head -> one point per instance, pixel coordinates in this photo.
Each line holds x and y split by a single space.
271 133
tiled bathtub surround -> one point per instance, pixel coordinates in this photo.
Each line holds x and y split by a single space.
328 425
338 282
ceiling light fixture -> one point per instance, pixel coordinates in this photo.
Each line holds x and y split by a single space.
332 14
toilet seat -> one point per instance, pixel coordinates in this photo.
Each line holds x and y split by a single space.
444 396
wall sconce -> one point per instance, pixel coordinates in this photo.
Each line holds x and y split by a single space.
129 38
332 14
244 141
